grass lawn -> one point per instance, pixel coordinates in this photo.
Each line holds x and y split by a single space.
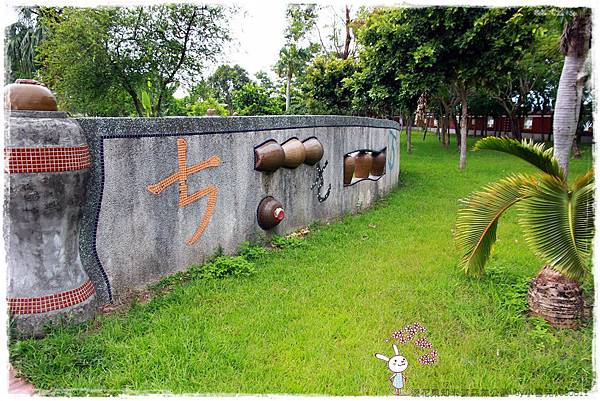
313 315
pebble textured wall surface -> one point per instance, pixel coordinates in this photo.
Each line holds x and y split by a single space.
166 193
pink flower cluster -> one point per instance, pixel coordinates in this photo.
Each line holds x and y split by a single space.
428 359
408 333
423 343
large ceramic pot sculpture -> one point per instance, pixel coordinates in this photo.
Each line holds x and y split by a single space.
269 156
378 167
294 153
363 164
269 213
313 151
47 163
348 169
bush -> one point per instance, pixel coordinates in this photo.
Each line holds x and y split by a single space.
251 252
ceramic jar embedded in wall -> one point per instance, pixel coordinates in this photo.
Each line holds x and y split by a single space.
269 156
269 213
294 153
378 166
313 151
349 163
363 164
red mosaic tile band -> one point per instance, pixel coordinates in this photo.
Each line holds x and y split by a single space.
46 160
47 303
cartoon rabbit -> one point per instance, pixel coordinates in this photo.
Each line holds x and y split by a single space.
397 364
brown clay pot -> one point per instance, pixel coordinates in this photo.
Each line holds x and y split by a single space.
294 153
363 164
28 94
378 167
269 156
348 169
269 213
313 151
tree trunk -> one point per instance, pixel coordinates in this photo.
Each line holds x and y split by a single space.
463 134
348 38
570 89
409 134
542 124
437 128
556 298
445 131
287 90
515 127
457 124
485 126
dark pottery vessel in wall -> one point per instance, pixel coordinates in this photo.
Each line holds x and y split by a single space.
294 153
313 150
270 213
269 156
378 167
363 164
348 169
28 94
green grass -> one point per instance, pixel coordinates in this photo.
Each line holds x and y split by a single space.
315 312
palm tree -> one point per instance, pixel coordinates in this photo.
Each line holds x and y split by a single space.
557 220
574 43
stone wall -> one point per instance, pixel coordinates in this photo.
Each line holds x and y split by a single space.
166 193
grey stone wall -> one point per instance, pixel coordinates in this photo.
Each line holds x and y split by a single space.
132 237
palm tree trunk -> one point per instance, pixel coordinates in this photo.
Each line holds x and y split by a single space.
463 134
575 45
556 298
568 101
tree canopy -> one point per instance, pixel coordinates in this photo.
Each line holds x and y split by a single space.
95 57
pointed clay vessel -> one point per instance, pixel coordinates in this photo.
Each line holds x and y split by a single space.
364 162
294 153
348 169
313 151
378 167
269 156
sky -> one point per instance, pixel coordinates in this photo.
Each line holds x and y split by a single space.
257 27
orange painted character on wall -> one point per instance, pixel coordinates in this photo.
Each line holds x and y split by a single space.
181 178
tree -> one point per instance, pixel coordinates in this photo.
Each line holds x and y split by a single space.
92 53
325 85
298 50
339 41
405 52
254 100
557 220
201 107
225 80
575 44
22 39
530 83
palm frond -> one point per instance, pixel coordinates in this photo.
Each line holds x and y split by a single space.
558 223
583 199
478 219
531 152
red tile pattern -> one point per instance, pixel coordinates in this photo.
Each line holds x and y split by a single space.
47 303
46 160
